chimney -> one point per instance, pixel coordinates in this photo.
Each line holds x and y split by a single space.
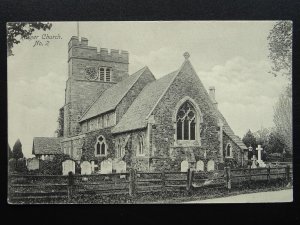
212 91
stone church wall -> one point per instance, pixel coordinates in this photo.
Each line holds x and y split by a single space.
236 151
88 153
132 159
185 84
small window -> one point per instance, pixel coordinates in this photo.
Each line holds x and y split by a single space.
101 74
228 150
107 75
101 146
140 146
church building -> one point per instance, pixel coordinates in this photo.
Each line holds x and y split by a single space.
170 123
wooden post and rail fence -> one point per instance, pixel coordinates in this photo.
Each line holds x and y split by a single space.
134 182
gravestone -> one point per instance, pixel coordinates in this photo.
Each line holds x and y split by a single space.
211 165
184 166
86 168
259 160
253 162
68 166
106 167
33 164
200 166
120 167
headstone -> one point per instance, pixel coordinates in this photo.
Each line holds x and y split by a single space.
120 167
200 166
33 164
184 166
93 166
68 166
106 166
253 166
259 160
211 165
86 168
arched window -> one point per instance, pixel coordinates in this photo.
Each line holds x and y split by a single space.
186 122
119 152
107 75
101 74
101 146
228 150
140 145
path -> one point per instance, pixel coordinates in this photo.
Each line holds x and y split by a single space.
272 196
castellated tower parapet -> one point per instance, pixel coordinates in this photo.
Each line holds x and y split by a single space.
80 49
90 73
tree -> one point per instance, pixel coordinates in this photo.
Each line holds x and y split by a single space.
60 120
17 150
9 154
283 120
280 49
275 145
249 139
262 136
19 31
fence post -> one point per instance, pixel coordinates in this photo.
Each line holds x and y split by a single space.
70 185
269 173
132 179
189 179
249 181
287 173
163 181
228 176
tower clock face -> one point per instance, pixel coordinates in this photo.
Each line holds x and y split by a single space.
91 73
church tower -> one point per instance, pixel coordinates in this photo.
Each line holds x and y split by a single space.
90 73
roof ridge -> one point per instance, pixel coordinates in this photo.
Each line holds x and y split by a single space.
141 71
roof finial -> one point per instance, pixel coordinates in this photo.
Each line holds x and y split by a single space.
186 55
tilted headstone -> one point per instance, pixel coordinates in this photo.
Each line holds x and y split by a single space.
184 166
210 165
200 166
33 164
86 168
120 167
106 167
68 166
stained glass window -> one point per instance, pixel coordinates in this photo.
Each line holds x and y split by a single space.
101 146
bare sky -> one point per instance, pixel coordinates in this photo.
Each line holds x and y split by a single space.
232 56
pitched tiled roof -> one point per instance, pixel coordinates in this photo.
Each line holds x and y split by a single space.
46 145
229 131
135 117
112 96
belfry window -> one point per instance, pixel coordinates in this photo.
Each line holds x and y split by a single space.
186 122
107 75
101 74
101 146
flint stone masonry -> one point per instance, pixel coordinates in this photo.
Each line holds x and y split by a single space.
185 84
237 153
